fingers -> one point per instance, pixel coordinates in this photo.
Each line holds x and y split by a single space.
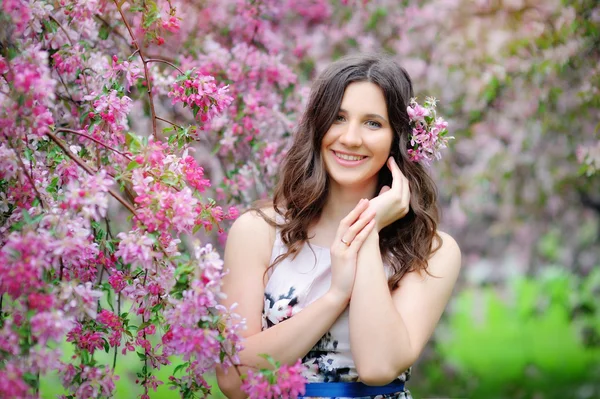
354 214
384 189
350 235
399 181
397 174
405 193
360 238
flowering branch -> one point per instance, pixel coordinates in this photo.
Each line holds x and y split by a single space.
24 169
144 62
51 17
165 62
168 121
94 140
85 167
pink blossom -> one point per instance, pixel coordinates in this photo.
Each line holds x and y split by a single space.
289 383
22 261
201 93
195 174
132 71
136 248
89 195
19 13
51 325
80 299
428 132
12 384
87 340
112 108
416 112
117 280
40 302
95 381
171 24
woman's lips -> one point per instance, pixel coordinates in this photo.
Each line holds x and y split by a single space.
348 162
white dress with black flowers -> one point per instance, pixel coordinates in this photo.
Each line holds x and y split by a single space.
294 284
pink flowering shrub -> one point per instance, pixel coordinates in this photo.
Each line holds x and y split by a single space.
95 217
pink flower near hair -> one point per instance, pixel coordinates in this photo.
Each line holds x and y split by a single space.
429 132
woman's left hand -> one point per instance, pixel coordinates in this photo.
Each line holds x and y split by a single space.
392 203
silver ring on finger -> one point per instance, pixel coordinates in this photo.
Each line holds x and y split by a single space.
345 242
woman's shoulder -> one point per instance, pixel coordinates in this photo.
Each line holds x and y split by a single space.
445 248
255 220
255 231
443 239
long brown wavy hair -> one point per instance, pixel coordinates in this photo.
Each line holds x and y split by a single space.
302 189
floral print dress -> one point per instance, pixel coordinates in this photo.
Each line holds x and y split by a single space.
294 284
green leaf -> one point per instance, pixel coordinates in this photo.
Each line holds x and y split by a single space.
133 142
103 32
50 25
132 165
53 186
181 366
376 17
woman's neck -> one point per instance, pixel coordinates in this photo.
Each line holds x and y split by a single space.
341 200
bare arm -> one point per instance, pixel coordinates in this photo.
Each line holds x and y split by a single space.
388 331
247 256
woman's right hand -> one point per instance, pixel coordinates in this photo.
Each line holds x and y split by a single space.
351 234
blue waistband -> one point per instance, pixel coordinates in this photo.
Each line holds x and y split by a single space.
350 389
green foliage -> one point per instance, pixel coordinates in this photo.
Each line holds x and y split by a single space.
538 339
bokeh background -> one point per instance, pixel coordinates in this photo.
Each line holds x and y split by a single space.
518 81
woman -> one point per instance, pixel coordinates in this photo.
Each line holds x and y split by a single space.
346 269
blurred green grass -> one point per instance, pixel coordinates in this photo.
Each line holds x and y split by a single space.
126 368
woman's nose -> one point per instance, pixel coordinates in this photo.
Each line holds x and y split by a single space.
351 136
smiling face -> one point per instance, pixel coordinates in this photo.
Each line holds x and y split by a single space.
357 145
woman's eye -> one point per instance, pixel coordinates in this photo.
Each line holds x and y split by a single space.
373 124
340 118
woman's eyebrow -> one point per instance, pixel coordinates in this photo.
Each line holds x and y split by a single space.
376 116
373 116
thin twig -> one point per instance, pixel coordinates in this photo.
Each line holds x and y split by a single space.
145 350
165 62
119 315
85 167
66 88
113 29
72 45
137 50
168 121
146 72
94 140
62 267
24 169
63 29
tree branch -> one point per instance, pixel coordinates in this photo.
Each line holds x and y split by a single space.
144 62
165 62
94 140
85 167
168 121
24 169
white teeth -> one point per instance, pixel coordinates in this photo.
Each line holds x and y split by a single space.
348 157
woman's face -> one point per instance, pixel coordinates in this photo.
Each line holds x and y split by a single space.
358 143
